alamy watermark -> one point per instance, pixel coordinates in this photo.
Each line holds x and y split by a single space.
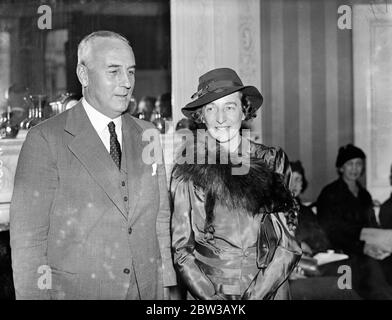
45 280
199 148
345 17
345 280
45 19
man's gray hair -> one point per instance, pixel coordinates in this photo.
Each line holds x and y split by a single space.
84 46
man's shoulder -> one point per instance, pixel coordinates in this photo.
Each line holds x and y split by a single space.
53 125
142 124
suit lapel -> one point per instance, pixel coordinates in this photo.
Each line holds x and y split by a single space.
133 147
89 149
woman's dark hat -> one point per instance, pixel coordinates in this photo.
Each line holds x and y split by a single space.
347 153
218 83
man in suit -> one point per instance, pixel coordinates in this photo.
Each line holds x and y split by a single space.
89 218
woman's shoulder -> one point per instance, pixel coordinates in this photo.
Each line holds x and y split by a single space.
365 194
274 157
260 150
332 190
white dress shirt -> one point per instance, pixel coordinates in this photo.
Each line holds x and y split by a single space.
100 123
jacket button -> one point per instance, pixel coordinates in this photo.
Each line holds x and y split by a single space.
123 183
129 230
127 271
125 198
246 253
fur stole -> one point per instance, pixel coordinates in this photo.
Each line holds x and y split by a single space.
259 190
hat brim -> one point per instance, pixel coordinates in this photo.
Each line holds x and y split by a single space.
253 94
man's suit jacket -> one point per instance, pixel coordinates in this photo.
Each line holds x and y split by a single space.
68 213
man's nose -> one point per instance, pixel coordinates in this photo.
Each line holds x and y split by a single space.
126 80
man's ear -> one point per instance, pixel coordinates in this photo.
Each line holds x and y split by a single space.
81 71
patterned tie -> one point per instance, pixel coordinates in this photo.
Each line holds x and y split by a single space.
115 148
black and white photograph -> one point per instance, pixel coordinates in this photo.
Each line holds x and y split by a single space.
184 150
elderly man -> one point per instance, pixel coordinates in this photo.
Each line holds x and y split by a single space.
89 218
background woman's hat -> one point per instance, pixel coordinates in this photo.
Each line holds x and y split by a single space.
347 153
218 83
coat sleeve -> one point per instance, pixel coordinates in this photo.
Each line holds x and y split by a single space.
36 181
183 244
163 230
286 256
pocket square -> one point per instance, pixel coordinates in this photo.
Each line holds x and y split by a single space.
154 169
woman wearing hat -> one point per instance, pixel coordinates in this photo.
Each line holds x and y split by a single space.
345 211
230 232
344 207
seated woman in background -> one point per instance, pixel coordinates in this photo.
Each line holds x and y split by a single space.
344 211
311 281
231 230
309 233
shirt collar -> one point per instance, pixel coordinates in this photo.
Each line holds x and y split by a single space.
98 119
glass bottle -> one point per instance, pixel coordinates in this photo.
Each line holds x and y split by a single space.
7 128
33 115
39 101
159 122
3 118
23 123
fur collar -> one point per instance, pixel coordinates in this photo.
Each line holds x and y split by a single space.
260 190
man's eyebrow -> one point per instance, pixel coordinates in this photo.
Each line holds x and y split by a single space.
113 65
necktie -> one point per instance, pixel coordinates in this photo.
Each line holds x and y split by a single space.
115 148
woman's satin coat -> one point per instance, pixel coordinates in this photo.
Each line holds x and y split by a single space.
249 257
